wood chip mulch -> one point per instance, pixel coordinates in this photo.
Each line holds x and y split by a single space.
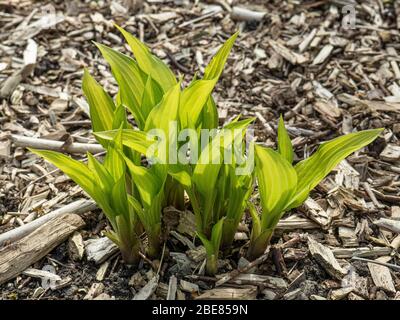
294 58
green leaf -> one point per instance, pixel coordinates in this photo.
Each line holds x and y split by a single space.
119 118
277 181
135 204
216 234
217 63
119 197
166 111
193 100
163 119
76 170
256 227
137 140
149 63
148 181
311 171
207 244
152 96
130 81
114 161
209 115
104 179
181 174
239 125
206 170
284 143
100 103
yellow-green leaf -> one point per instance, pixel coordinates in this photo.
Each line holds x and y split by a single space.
148 181
311 171
209 114
152 95
76 170
149 63
137 140
277 181
284 143
166 111
100 103
194 98
130 81
114 161
216 65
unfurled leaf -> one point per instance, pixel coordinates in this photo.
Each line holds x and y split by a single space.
149 63
166 111
130 80
152 95
181 174
311 171
206 170
216 234
114 161
284 143
217 63
193 100
209 113
162 121
137 140
103 178
119 118
206 243
277 181
148 181
119 197
256 227
101 106
76 170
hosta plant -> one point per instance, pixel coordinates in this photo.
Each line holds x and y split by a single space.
284 186
132 194
148 164
193 108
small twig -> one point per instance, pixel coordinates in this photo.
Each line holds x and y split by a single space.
203 17
371 195
288 244
202 278
243 14
162 258
177 64
237 272
75 147
389 265
147 260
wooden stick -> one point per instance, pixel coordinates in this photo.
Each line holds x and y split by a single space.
77 207
389 265
19 255
243 14
237 272
76 147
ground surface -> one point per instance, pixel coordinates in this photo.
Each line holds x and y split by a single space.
298 61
